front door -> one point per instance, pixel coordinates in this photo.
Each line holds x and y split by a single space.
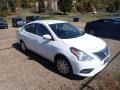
44 47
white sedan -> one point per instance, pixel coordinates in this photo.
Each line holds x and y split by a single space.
72 50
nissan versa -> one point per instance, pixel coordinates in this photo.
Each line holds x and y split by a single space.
72 50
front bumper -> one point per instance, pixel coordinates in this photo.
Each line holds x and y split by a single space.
92 67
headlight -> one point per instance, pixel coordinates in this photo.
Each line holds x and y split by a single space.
81 55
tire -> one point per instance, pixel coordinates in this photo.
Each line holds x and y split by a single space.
6 27
92 32
63 66
23 46
13 25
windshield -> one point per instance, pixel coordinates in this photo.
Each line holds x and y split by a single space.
2 20
18 19
65 30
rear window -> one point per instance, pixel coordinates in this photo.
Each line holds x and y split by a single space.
33 18
18 19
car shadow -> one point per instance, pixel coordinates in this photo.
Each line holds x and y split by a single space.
45 63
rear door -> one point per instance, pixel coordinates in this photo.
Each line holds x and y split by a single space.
102 27
28 35
115 29
97 26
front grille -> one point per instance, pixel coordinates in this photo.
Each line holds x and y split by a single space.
102 54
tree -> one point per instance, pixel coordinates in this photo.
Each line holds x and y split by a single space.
116 5
24 3
6 4
65 6
113 6
41 6
110 8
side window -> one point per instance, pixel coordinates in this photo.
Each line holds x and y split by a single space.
30 28
98 22
107 22
116 22
41 30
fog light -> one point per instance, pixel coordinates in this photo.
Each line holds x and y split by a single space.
86 71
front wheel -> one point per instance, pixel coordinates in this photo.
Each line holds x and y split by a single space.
63 66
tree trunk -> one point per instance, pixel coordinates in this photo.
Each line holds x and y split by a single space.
6 3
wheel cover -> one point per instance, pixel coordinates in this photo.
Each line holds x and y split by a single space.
23 46
63 66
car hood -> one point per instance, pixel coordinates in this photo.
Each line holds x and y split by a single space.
87 43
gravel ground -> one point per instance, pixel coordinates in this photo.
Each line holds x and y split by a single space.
28 71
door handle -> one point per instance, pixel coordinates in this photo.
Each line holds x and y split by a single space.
36 40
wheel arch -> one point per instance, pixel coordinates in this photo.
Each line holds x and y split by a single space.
62 55
57 56
21 40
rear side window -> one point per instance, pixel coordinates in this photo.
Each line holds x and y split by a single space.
114 22
107 21
30 28
41 30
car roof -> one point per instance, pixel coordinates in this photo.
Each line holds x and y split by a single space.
32 16
104 19
16 17
49 21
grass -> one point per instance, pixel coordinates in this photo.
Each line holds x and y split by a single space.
83 17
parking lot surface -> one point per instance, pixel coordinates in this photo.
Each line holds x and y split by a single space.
28 71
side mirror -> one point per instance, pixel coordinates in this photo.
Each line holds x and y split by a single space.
47 37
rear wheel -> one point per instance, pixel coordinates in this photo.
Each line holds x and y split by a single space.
92 32
63 66
23 46
14 25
